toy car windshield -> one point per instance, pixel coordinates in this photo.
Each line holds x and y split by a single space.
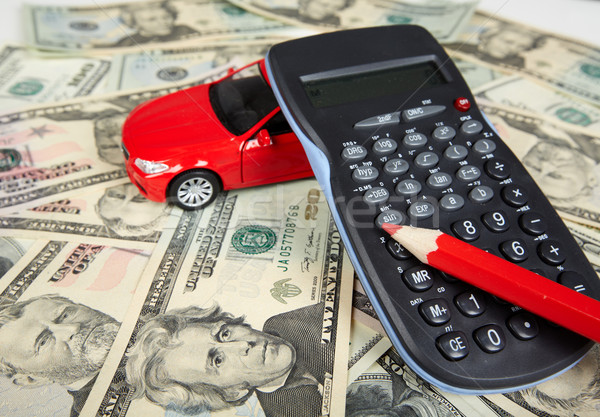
242 100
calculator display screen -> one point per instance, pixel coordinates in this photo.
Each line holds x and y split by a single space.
349 87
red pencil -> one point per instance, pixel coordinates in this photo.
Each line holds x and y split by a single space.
517 285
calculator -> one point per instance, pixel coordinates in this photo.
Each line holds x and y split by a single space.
393 135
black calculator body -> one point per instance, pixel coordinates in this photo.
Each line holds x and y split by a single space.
394 135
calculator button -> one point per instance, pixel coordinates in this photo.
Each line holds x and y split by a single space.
514 250
453 345
523 325
384 146
456 153
396 166
468 173
497 169
427 159
397 250
490 338
364 175
376 195
409 187
514 195
481 194
471 303
439 180
389 216
484 146
471 127
462 104
443 133
379 120
496 221
421 210
418 278
354 153
435 312
551 252
466 230
414 140
532 223
452 202
573 280
417 113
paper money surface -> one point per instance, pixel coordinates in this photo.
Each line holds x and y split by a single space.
444 19
136 25
115 216
59 319
271 255
26 79
166 65
562 63
522 93
11 250
389 387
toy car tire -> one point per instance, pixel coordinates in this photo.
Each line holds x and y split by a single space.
194 189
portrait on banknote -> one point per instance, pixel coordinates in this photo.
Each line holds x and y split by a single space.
50 339
127 213
313 12
390 388
152 22
503 44
107 133
284 363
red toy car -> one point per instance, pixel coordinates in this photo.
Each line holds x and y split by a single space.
187 146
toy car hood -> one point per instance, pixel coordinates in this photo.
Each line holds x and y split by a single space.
173 122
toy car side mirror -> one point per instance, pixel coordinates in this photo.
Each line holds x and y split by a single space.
264 139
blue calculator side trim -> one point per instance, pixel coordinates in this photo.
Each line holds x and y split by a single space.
320 166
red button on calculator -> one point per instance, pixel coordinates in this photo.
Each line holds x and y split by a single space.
462 104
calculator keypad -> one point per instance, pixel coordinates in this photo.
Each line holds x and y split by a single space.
449 168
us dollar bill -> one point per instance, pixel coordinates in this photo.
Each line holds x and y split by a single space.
363 310
57 150
562 63
562 158
272 258
26 79
588 239
61 306
366 346
444 19
178 64
389 387
477 75
137 25
522 93
11 250
117 215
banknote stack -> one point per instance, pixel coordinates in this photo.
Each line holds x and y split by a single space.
113 305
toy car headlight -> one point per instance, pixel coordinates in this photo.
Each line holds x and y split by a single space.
150 167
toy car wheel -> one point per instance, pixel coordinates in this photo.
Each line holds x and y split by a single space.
194 189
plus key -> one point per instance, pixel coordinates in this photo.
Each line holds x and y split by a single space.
551 252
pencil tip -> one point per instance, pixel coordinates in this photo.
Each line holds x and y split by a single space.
391 228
